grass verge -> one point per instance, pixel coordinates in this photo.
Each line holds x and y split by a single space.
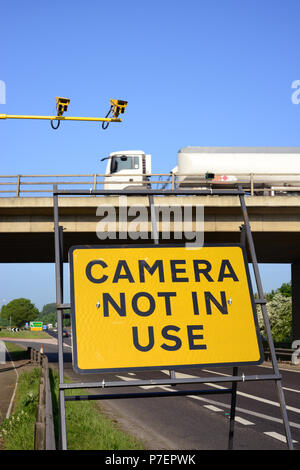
87 427
16 351
24 334
17 432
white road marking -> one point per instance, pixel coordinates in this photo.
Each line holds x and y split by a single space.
224 405
247 395
147 387
168 389
291 390
212 408
278 436
243 410
262 400
240 420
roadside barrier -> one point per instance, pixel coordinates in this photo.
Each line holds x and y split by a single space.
44 437
282 354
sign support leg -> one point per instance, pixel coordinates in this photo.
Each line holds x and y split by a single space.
267 323
232 410
58 238
235 370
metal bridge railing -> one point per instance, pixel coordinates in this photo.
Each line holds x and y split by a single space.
42 185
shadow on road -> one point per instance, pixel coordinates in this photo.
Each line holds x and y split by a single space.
53 357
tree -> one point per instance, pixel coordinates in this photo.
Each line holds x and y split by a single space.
269 295
49 318
48 314
48 308
286 289
19 311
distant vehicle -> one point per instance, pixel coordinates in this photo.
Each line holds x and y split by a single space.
65 334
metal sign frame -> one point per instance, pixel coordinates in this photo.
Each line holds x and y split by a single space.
246 239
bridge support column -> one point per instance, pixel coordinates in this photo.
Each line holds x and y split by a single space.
296 300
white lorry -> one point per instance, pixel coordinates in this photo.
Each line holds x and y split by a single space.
274 168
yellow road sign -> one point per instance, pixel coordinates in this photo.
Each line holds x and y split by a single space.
161 307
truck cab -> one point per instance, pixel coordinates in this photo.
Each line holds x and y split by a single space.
128 169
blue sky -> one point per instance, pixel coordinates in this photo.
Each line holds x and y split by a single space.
198 72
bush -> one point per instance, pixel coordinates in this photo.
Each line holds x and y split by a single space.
279 311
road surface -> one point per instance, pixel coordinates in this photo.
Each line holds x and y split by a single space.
200 422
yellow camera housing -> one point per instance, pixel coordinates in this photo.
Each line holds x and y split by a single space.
118 107
61 105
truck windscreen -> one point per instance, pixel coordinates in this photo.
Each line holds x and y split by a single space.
123 162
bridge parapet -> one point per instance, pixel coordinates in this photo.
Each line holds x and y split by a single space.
42 185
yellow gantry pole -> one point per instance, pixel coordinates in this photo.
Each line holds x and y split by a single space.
59 118
116 107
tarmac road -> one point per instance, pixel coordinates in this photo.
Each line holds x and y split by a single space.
199 422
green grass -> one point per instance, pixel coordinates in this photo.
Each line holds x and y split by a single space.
87 427
17 432
26 334
13 347
16 351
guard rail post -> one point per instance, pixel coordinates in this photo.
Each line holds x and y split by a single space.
18 186
40 424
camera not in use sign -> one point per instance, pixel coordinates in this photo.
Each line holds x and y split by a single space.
157 307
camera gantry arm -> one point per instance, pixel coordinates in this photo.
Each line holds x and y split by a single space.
117 107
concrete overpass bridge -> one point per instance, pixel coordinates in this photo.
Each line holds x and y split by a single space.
27 226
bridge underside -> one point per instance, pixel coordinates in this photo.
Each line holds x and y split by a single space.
27 224
280 247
